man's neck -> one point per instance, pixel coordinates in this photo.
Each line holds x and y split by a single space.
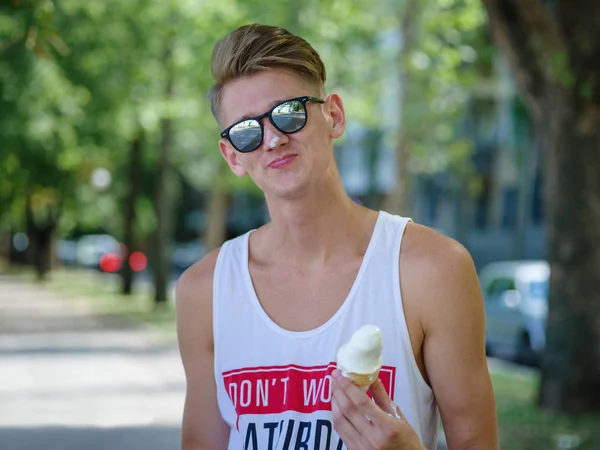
313 229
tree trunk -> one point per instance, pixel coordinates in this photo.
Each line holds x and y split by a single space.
41 247
216 221
524 200
5 244
40 231
162 257
555 57
372 143
399 200
571 365
133 190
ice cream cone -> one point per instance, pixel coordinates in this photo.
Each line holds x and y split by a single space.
360 358
362 380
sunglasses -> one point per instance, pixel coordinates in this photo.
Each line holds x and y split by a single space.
288 117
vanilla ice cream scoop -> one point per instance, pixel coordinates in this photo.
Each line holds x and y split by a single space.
360 358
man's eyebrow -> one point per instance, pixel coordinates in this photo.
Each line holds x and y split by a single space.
251 115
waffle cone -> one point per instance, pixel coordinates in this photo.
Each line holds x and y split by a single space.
362 380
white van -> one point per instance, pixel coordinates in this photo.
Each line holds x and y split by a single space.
516 307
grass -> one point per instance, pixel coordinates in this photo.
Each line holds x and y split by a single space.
522 425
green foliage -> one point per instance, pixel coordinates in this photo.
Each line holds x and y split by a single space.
40 110
79 79
442 66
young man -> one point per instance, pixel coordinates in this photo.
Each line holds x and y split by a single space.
260 320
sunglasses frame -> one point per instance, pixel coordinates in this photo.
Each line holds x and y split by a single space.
303 100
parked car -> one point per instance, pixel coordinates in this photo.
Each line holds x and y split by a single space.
516 306
66 252
92 248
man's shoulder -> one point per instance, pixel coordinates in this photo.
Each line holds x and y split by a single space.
423 246
195 284
434 266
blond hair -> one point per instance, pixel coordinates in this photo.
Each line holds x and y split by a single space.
254 48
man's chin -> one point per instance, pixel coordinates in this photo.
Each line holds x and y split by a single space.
289 192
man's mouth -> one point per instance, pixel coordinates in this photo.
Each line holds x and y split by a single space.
282 162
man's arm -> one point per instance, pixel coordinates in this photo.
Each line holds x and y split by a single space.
202 428
443 280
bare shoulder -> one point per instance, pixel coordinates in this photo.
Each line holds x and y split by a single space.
431 256
425 246
197 279
437 272
194 297
202 426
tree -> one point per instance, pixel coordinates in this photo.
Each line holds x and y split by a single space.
134 184
162 257
437 64
113 68
83 82
554 52
131 75
399 201
39 111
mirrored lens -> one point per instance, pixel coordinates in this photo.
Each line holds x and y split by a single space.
289 116
246 136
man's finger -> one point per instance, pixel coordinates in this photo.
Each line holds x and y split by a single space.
358 398
383 400
380 396
353 403
347 431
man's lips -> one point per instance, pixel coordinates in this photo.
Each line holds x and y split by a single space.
282 162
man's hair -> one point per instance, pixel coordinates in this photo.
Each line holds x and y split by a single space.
254 48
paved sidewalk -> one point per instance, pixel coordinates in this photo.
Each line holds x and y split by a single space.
70 379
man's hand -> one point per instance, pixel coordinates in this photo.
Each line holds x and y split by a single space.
366 425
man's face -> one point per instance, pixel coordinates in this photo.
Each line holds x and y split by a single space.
284 165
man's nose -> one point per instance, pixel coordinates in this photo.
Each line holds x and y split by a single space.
273 137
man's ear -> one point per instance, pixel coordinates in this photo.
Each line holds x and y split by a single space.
231 156
338 117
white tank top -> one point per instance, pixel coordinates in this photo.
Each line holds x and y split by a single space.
274 385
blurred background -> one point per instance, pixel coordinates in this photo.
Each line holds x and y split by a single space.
480 119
